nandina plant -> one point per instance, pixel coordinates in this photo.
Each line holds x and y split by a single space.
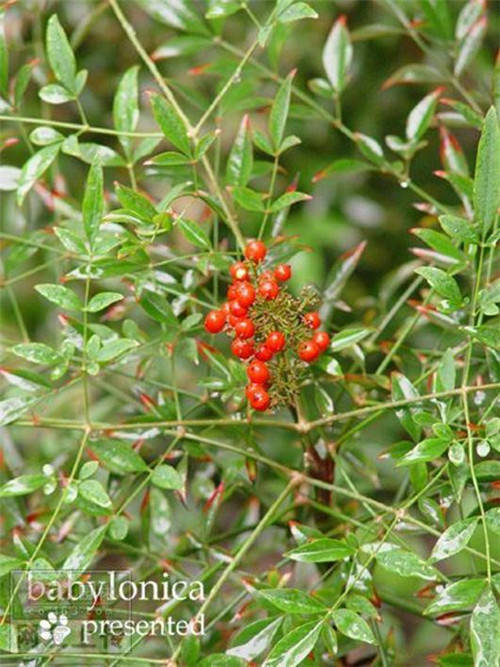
250 333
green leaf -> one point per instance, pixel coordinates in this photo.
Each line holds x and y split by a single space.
446 372
23 485
21 82
352 625
296 12
288 199
60 54
437 17
118 456
8 563
468 15
485 631
114 349
454 539
322 550
414 73
54 93
168 159
444 284
37 353
442 245
458 596
294 646
167 477
203 144
83 553
134 201
470 45
92 490
342 166
170 124
420 116
60 295
254 638
487 173
337 55
279 111
183 45
12 408
248 199
178 14
406 564
88 469
485 334
93 201
427 450
221 8
160 514
126 106
194 233
262 142
70 240
43 136
370 148
339 274
91 153
489 298
292 601
240 159
118 528
458 228
348 337
158 308
34 168
9 178
103 300
493 520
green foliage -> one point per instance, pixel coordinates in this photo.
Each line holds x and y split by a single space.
142 144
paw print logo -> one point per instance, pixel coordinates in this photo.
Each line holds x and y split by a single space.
54 628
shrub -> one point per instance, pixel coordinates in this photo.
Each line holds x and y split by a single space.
341 509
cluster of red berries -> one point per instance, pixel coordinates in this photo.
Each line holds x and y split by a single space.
256 307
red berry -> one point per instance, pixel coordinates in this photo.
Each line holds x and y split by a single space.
322 340
255 251
245 294
232 291
237 309
268 289
233 321
251 389
275 341
283 272
266 275
244 328
308 351
225 308
239 271
243 349
259 399
215 321
312 320
258 372
263 353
